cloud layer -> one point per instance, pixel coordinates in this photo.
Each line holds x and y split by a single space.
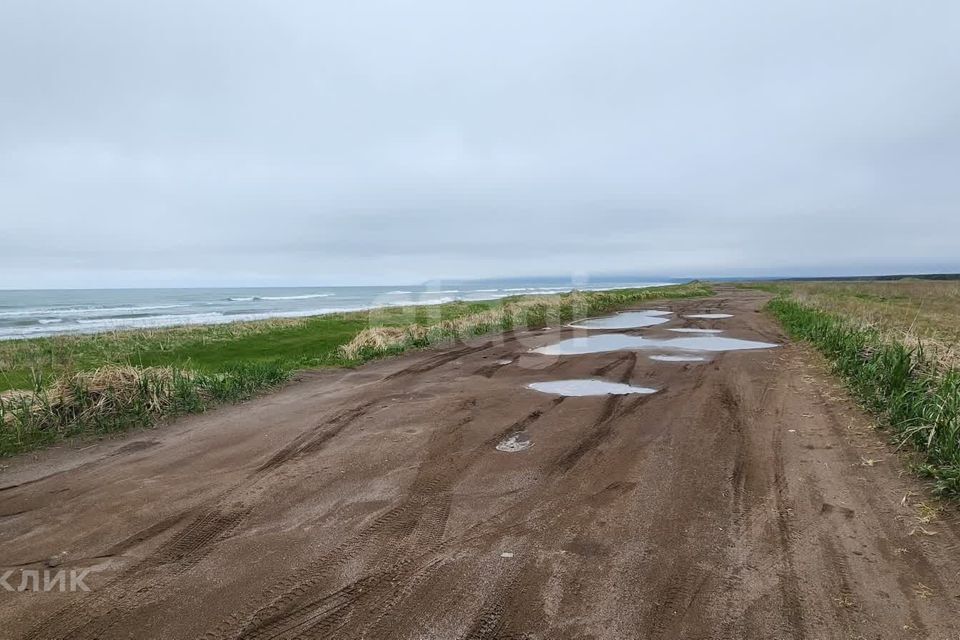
203 143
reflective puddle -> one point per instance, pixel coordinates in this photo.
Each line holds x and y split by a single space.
587 387
710 316
623 342
516 442
669 358
695 330
625 320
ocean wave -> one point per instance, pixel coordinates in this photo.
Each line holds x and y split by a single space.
87 319
424 301
306 296
160 321
149 321
87 310
398 293
98 325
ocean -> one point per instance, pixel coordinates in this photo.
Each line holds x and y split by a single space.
48 312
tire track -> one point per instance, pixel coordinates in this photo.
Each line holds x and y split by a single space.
788 583
843 596
678 600
415 525
91 616
522 424
314 440
418 520
613 364
439 360
498 614
597 432
387 619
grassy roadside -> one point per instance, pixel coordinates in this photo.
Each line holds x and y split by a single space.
909 311
892 373
69 386
294 343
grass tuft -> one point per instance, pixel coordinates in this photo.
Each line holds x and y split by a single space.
112 399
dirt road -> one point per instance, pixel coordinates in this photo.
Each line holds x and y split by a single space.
747 498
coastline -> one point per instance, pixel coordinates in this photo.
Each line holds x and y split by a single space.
46 313
67 386
297 342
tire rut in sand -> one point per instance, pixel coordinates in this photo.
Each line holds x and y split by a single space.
441 359
294 604
615 407
91 616
141 584
403 541
788 583
190 545
314 440
676 602
416 523
503 612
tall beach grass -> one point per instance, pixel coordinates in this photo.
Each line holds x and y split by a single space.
117 398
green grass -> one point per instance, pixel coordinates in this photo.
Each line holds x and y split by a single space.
916 397
99 384
117 399
294 343
777 288
907 310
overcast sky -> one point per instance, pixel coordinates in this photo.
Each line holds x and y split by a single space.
180 143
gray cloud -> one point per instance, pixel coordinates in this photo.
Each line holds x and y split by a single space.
179 143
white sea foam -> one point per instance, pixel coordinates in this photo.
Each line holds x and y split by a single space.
89 310
306 296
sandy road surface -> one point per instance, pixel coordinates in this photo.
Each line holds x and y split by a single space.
735 502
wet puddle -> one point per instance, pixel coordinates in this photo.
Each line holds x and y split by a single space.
710 316
515 443
669 358
623 342
587 387
625 320
695 330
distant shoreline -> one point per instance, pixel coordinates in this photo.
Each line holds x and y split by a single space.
49 313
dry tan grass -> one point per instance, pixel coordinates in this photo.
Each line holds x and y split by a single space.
91 393
382 339
910 311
